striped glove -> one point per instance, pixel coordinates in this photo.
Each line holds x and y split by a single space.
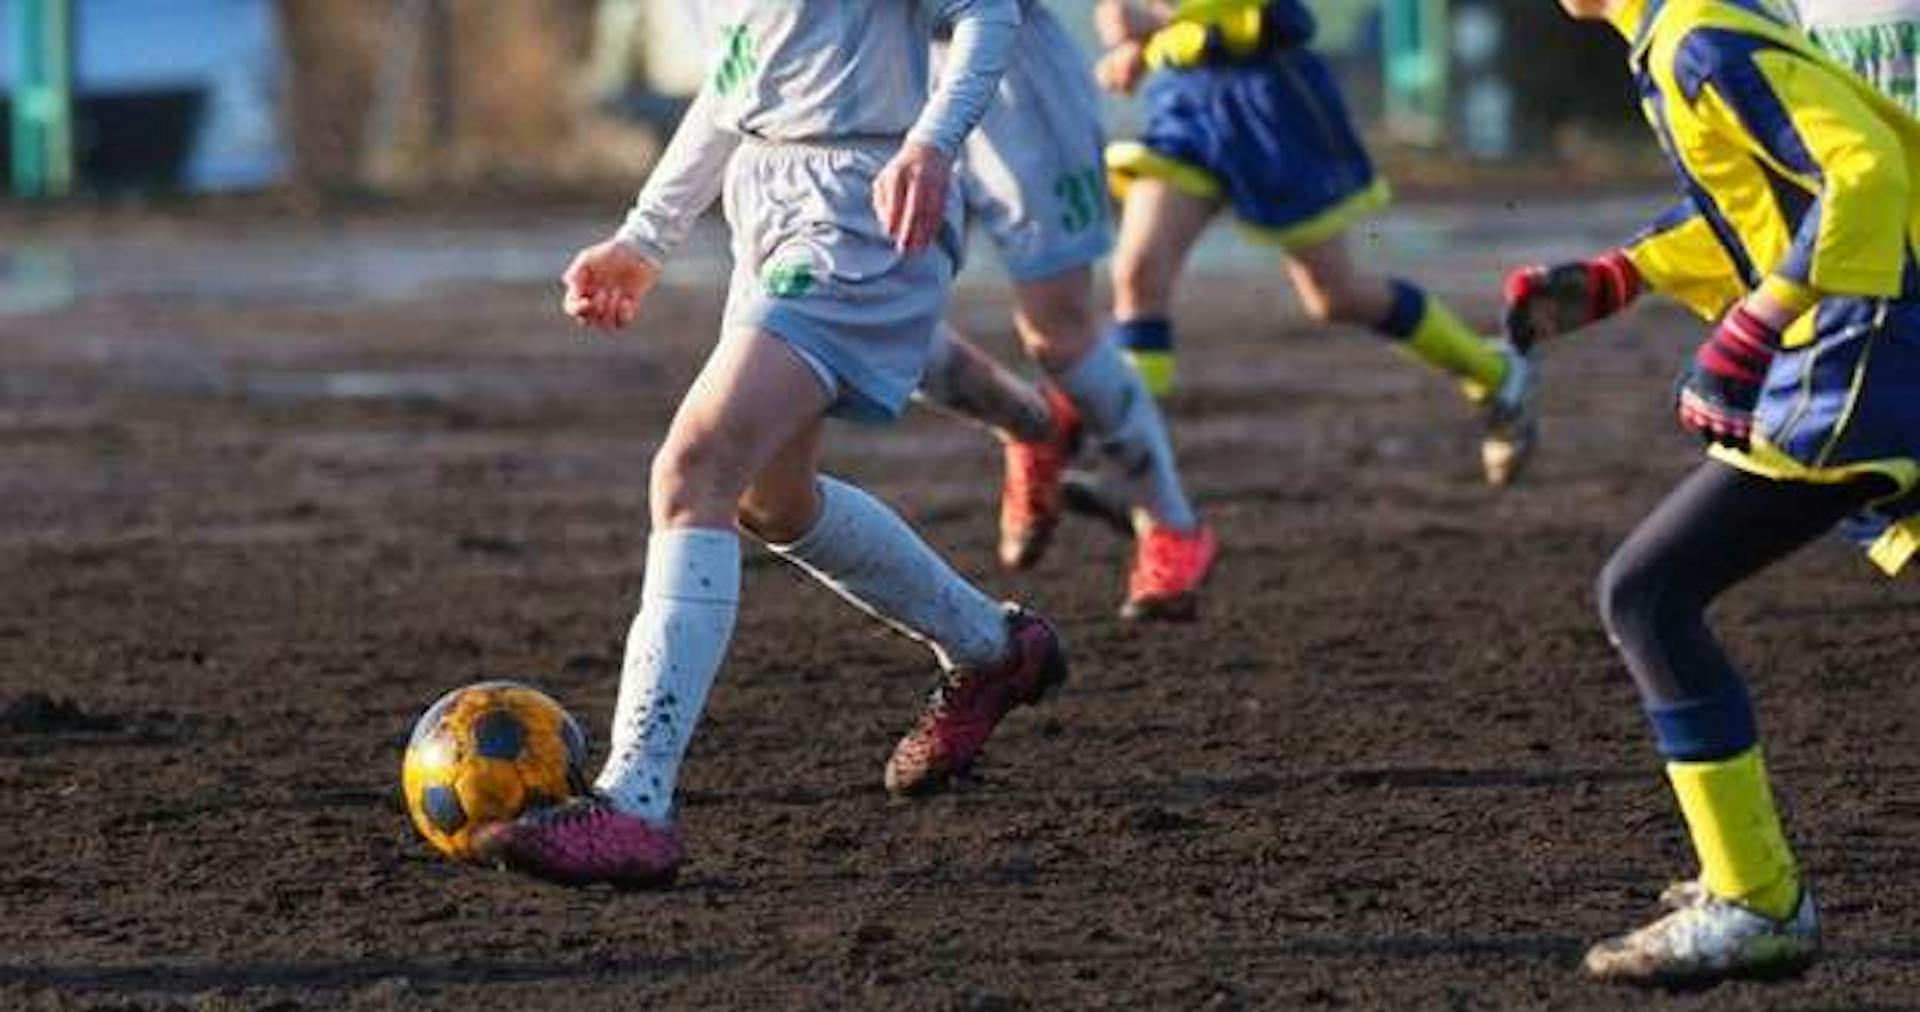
1723 383
1545 302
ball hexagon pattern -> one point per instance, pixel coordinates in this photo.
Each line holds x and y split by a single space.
485 753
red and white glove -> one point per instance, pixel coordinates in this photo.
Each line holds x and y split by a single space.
1722 385
1546 301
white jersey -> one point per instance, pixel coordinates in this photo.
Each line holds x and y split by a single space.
1842 13
823 72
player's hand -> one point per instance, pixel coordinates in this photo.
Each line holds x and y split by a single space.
910 195
1117 21
1722 385
1121 68
1543 302
606 285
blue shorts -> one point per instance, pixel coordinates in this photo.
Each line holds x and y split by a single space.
1844 405
1270 138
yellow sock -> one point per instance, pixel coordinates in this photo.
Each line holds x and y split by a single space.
1736 832
1442 340
1156 369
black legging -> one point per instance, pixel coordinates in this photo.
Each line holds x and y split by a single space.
1719 527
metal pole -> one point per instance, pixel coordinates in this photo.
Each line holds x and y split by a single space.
43 98
1418 43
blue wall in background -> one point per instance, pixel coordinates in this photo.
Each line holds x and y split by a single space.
228 49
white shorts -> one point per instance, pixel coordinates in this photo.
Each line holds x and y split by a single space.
813 267
1032 173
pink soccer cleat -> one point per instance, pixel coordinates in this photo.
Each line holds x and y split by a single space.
969 703
584 841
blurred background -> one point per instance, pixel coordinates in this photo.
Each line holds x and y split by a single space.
447 99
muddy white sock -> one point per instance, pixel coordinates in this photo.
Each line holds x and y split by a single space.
869 556
674 649
964 381
1122 417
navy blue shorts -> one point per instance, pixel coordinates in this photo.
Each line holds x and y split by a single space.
1270 138
1843 405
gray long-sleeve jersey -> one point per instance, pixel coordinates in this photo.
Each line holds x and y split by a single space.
822 71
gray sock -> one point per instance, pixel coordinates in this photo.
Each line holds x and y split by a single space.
1122 417
964 381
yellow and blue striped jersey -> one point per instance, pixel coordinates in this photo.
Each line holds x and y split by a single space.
1218 31
1792 167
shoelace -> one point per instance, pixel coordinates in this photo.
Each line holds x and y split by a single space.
567 815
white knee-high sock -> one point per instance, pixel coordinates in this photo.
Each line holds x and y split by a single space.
674 649
868 555
1122 416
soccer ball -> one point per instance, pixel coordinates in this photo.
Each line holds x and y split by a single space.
484 754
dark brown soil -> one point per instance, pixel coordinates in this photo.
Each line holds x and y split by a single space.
1395 765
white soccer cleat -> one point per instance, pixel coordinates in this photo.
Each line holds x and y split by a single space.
1512 422
1707 939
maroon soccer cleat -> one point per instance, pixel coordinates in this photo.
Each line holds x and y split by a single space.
584 841
1168 568
969 703
1030 498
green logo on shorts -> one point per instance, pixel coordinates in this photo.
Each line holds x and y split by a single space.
788 281
1083 199
738 59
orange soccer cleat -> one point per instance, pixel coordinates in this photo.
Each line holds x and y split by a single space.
1030 499
1168 568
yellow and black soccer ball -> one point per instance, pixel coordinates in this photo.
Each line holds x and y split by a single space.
485 753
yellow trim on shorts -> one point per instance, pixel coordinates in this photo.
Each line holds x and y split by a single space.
1326 224
1897 545
1128 160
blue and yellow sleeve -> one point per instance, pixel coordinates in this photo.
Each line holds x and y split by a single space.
1679 256
1834 165
1206 32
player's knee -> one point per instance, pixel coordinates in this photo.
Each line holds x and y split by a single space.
779 514
1058 328
1632 594
691 483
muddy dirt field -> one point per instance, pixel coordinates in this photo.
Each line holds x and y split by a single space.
244 541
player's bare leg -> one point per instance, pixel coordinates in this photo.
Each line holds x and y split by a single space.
1174 552
753 400
1494 375
1159 225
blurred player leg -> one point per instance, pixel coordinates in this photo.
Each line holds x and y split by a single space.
1035 181
1749 912
1492 373
1175 553
964 381
1038 429
1159 223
